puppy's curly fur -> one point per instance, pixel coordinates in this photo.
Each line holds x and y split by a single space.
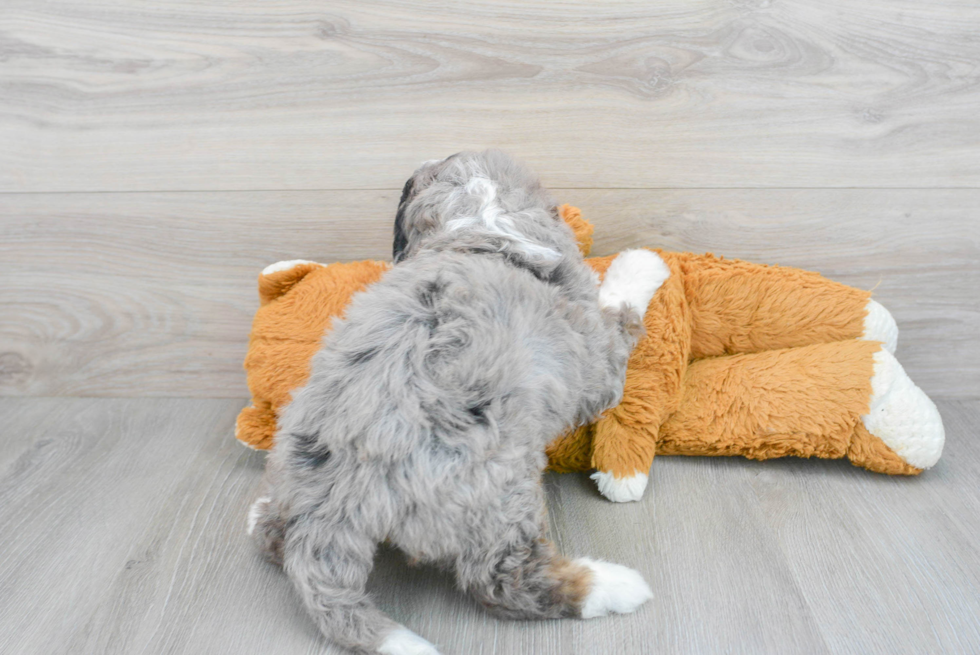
428 408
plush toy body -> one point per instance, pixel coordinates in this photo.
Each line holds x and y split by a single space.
739 359
758 361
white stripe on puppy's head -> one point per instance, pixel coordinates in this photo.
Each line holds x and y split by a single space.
484 199
492 217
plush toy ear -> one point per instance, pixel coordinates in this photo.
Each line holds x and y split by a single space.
582 228
280 277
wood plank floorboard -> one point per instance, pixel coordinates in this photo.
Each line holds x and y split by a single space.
887 565
123 532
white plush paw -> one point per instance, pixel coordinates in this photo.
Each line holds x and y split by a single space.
255 511
621 490
615 588
284 266
402 641
632 278
879 325
902 415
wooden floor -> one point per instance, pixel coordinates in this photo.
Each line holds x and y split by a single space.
154 156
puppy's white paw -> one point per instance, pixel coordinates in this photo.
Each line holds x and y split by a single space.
284 266
879 325
632 278
615 588
620 490
902 415
255 511
402 641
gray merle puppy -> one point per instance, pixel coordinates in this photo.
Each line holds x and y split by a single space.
427 411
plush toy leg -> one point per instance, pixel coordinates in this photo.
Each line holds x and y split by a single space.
571 452
845 399
879 325
741 307
256 426
623 440
622 455
797 401
902 416
870 452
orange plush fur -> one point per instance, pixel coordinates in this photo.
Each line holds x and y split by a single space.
739 359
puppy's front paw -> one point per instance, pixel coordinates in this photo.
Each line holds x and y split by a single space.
615 588
632 279
621 490
403 641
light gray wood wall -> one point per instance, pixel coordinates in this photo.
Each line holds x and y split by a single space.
112 95
823 135
152 294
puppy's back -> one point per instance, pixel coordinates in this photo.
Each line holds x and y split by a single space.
448 350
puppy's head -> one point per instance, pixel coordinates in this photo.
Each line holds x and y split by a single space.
480 201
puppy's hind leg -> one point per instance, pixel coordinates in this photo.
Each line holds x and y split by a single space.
524 577
330 571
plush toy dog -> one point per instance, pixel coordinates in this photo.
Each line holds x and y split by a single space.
738 359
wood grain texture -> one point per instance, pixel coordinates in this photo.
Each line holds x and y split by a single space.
152 294
902 553
139 95
124 533
155 156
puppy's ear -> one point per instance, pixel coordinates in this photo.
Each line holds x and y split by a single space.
401 235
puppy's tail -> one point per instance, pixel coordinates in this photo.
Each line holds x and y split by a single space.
330 570
267 527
